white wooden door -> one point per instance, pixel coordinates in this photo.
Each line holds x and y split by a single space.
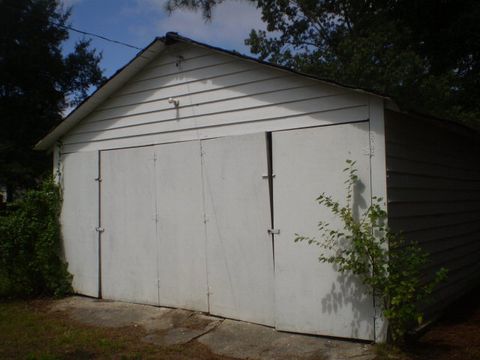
80 218
180 226
239 249
129 246
311 297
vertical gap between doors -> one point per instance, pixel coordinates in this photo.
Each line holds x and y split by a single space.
157 238
270 188
370 148
204 195
99 181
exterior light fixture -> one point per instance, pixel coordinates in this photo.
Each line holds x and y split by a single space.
173 101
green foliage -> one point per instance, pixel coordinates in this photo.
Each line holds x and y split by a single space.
38 81
424 54
30 247
391 268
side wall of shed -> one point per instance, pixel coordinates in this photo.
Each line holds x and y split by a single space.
433 187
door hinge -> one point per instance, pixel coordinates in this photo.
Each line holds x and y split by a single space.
99 229
266 176
99 179
368 151
273 231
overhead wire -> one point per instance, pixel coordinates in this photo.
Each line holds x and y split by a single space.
98 36
71 28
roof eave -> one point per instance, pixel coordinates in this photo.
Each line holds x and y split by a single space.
141 59
172 37
108 88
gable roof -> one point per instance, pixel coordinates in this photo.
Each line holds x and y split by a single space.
146 55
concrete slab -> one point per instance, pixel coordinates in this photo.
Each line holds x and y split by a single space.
164 326
114 314
176 336
250 341
236 339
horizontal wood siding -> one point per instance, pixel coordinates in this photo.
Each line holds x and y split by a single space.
433 188
219 95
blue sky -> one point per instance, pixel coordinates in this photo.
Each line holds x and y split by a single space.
137 22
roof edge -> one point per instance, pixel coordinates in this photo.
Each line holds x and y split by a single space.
113 83
172 37
122 75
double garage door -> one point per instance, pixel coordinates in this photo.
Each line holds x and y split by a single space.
187 225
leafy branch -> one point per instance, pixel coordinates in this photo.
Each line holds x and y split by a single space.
31 261
390 267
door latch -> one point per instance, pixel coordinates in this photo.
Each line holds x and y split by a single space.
99 229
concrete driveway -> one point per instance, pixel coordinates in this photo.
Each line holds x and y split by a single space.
236 339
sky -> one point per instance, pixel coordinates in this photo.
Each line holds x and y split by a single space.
138 22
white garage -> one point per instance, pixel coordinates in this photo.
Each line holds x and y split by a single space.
187 175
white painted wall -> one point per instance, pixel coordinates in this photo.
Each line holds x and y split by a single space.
129 246
185 225
312 297
219 95
182 269
378 185
237 215
79 218
153 243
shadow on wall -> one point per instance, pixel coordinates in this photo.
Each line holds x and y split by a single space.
347 292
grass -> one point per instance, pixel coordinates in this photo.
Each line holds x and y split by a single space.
29 331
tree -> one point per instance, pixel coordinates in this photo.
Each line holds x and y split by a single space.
425 54
37 83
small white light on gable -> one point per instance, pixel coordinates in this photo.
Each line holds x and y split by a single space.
173 101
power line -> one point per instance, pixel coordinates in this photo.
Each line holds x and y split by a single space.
81 31
98 36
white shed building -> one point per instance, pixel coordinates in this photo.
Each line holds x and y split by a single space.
187 174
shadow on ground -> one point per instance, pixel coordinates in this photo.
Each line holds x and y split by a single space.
455 336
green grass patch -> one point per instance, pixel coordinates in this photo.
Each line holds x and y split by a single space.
30 333
28 330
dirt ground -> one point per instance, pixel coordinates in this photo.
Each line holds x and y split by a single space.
31 330
84 328
456 336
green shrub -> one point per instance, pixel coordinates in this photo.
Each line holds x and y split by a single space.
392 269
30 248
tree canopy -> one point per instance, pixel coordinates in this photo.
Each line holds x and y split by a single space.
37 83
425 54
